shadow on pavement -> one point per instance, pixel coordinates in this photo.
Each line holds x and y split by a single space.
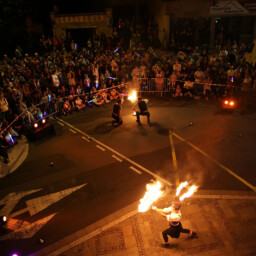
160 129
104 128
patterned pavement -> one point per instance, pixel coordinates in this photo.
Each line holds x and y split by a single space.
224 226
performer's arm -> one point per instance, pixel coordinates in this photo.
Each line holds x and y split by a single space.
160 211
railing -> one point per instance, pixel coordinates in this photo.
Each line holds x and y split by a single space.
162 85
48 108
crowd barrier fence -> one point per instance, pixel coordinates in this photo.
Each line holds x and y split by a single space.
48 108
163 85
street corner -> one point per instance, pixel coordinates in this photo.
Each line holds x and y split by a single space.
17 155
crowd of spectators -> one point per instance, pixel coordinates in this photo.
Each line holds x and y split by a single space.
197 73
62 77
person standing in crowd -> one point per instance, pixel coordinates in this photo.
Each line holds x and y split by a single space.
116 114
177 67
3 148
3 106
143 109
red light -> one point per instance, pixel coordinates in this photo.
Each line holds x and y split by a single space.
226 102
231 103
35 125
43 121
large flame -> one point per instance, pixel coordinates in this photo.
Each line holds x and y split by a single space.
181 186
190 192
152 194
133 97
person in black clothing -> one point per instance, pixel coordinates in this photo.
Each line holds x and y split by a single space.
3 149
116 114
142 104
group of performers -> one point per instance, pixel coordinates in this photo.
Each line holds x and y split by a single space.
140 108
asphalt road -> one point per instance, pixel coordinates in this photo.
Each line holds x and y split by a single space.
111 184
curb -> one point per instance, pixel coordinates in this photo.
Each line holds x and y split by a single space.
17 157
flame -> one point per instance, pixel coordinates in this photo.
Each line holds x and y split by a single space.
152 194
133 97
181 186
190 192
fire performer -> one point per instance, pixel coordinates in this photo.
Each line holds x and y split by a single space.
116 114
173 216
142 104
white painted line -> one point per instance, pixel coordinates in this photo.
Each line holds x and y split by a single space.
225 197
117 158
72 131
101 148
84 138
60 123
134 169
117 153
19 212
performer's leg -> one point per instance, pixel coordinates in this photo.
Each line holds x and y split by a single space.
138 116
148 115
188 231
165 234
116 119
184 230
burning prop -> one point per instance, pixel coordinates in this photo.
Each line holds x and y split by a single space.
133 96
190 190
154 192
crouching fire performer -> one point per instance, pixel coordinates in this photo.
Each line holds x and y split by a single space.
116 114
173 216
143 109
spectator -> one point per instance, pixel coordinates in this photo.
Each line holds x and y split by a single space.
4 106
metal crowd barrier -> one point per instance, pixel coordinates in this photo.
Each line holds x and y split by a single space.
163 85
47 109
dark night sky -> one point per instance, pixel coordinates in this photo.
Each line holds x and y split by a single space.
13 14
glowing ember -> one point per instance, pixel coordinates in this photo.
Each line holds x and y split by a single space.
152 194
190 192
133 97
181 186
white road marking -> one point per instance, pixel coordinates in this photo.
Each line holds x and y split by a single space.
27 230
19 212
60 123
101 148
134 169
72 131
117 153
84 138
117 158
11 200
38 204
